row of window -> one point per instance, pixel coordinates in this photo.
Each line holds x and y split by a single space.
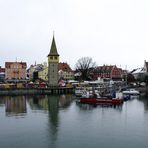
53 57
113 73
67 75
16 66
19 78
15 73
15 70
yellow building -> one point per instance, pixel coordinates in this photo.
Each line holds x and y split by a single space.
43 74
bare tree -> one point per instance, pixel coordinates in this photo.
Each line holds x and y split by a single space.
85 66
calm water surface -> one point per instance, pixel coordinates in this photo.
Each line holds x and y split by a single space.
59 122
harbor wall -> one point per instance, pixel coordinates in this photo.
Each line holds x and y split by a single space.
36 91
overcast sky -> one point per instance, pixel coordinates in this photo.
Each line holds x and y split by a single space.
108 31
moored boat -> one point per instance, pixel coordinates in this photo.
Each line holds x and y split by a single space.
102 100
131 92
79 91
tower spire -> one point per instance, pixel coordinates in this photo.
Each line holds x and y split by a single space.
53 49
53 61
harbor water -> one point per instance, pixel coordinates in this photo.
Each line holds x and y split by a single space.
59 122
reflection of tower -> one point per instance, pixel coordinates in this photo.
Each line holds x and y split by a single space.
53 118
53 60
2 101
35 100
15 105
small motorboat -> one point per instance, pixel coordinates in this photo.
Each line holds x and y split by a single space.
131 92
95 98
79 91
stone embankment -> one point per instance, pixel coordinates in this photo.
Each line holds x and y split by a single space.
36 91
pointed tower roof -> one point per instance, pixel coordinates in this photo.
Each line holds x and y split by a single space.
53 49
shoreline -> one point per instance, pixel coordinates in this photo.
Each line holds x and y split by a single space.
48 91
35 91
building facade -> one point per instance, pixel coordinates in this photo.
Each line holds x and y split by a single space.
2 74
43 73
33 71
108 71
65 72
141 72
146 66
53 61
15 71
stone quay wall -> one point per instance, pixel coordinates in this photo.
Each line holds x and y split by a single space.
36 91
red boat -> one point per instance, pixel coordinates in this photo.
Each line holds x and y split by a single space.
102 100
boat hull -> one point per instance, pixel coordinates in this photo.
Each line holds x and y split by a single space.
101 101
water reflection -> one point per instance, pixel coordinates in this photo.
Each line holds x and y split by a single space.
15 106
2 101
43 107
90 106
54 104
144 99
57 121
65 101
38 102
53 119
41 102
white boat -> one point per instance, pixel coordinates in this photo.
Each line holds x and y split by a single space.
79 91
84 91
131 92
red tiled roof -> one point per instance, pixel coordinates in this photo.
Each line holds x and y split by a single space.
105 68
64 67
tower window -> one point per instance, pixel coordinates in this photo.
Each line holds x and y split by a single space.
55 58
51 58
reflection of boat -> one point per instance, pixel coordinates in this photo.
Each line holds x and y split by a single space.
85 106
130 92
101 100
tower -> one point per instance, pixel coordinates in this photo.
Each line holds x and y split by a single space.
53 60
